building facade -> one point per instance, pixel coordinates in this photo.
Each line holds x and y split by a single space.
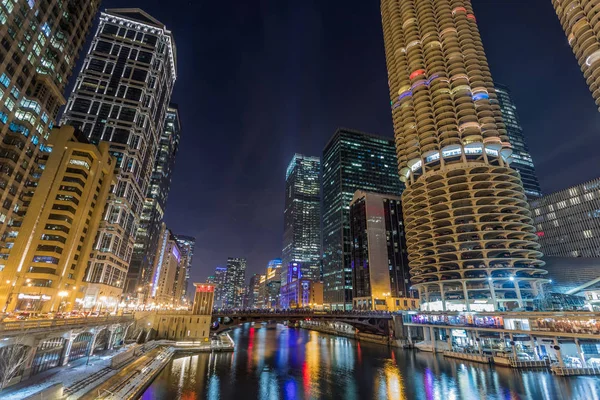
379 259
521 159
253 292
166 286
121 96
299 292
235 282
471 242
220 282
578 19
41 42
155 203
186 245
351 161
46 269
302 215
568 221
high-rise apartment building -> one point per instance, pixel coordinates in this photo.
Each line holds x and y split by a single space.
521 159
235 283
220 282
40 42
568 221
579 21
380 274
471 242
302 216
186 245
121 96
155 203
351 161
50 253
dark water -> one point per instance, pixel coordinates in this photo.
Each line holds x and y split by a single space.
272 364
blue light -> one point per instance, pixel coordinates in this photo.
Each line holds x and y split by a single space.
481 96
46 29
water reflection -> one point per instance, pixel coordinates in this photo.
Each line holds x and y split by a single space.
286 364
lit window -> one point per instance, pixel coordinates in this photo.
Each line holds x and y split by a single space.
587 234
9 103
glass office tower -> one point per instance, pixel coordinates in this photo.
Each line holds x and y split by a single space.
470 238
352 161
121 96
146 239
40 43
521 159
302 216
186 245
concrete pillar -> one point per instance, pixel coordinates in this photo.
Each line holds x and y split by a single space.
427 298
409 335
92 344
66 355
466 294
518 290
561 362
449 338
443 295
478 343
432 334
493 293
580 353
512 345
426 334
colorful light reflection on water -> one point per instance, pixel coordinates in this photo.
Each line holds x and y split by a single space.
293 364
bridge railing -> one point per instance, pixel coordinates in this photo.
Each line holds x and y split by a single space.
301 314
35 324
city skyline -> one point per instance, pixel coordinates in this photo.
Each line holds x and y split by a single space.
504 38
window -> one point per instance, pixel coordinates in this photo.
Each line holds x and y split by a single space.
9 103
587 234
45 259
4 80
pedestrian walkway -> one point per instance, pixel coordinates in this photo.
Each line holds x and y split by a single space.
124 375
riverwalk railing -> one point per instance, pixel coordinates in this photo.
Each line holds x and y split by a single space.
29 326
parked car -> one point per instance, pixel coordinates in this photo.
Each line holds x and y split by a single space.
524 357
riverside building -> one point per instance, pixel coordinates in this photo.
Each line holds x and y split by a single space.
46 269
40 43
470 236
121 96
351 161
579 21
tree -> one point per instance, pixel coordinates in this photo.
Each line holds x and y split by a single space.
12 360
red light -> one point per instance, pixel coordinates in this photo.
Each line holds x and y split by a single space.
205 288
417 73
471 16
540 234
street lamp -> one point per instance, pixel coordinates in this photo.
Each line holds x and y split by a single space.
62 296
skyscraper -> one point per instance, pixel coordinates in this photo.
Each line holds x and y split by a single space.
45 270
470 238
166 289
579 21
302 216
121 96
235 283
40 45
220 281
146 239
521 159
380 276
186 245
352 161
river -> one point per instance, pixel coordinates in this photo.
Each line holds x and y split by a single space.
282 363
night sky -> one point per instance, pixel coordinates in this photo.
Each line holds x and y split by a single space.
260 80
